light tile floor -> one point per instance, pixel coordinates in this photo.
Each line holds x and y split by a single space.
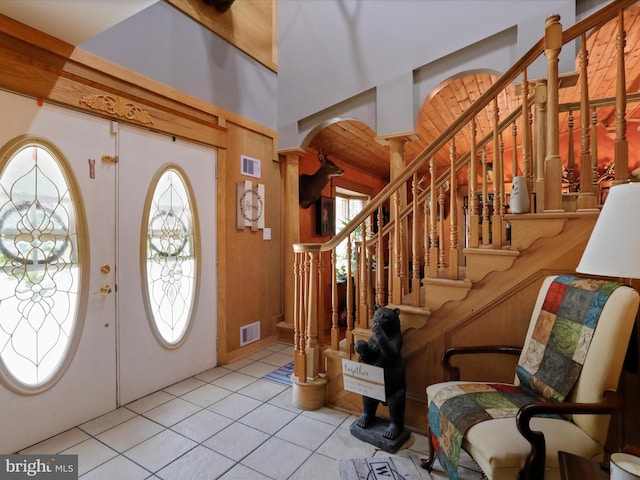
227 423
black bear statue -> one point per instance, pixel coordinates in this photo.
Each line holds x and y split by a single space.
383 349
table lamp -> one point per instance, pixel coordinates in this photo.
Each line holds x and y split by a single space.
613 250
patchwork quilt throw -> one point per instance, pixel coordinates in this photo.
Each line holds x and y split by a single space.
549 366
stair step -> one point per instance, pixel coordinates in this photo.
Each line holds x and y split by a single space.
411 317
482 261
438 291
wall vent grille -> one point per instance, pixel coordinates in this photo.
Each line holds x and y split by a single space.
249 333
249 166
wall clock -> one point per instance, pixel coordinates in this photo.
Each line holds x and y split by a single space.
249 205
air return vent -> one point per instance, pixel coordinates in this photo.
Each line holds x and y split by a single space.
249 333
249 166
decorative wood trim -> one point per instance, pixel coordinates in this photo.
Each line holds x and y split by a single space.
43 67
118 106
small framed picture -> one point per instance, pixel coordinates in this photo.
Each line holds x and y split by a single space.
325 216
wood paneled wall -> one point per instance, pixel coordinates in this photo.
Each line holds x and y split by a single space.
249 267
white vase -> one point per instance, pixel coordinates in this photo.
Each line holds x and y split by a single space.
519 199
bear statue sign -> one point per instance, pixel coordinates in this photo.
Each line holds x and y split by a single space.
382 350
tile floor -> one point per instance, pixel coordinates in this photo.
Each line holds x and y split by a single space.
225 423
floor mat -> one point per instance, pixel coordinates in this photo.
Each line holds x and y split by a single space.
387 468
282 375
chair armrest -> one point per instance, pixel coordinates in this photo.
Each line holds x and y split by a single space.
534 465
454 372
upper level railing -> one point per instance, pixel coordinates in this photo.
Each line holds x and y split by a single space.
422 240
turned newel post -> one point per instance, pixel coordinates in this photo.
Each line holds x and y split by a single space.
309 385
291 224
397 164
312 347
399 261
553 162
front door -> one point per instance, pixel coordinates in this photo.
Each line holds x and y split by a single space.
57 270
167 261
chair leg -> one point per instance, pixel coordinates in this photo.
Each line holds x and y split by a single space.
427 463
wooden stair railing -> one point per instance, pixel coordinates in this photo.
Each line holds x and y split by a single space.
540 162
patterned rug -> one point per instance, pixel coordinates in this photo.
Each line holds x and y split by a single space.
379 468
282 375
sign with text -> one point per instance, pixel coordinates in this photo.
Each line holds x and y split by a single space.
367 380
49 467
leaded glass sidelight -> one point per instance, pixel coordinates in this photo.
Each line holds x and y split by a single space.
40 265
170 257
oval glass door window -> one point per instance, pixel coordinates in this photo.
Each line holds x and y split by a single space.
40 266
170 257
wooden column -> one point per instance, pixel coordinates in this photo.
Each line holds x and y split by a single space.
486 232
309 388
571 155
335 330
396 286
514 150
433 222
474 217
299 325
586 198
621 155
399 262
365 276
291 225
594 155
396 165
380 279
350 287
540 128
415 259
453 215
553 162
526 138
498 182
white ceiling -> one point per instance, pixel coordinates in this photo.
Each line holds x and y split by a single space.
73 21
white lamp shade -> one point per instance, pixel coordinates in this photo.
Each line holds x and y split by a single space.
614 247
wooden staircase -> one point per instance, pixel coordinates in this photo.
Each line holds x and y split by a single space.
491 309
478 294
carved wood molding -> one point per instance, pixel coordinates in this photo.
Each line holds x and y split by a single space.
118 106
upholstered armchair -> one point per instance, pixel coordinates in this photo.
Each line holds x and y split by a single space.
563 392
